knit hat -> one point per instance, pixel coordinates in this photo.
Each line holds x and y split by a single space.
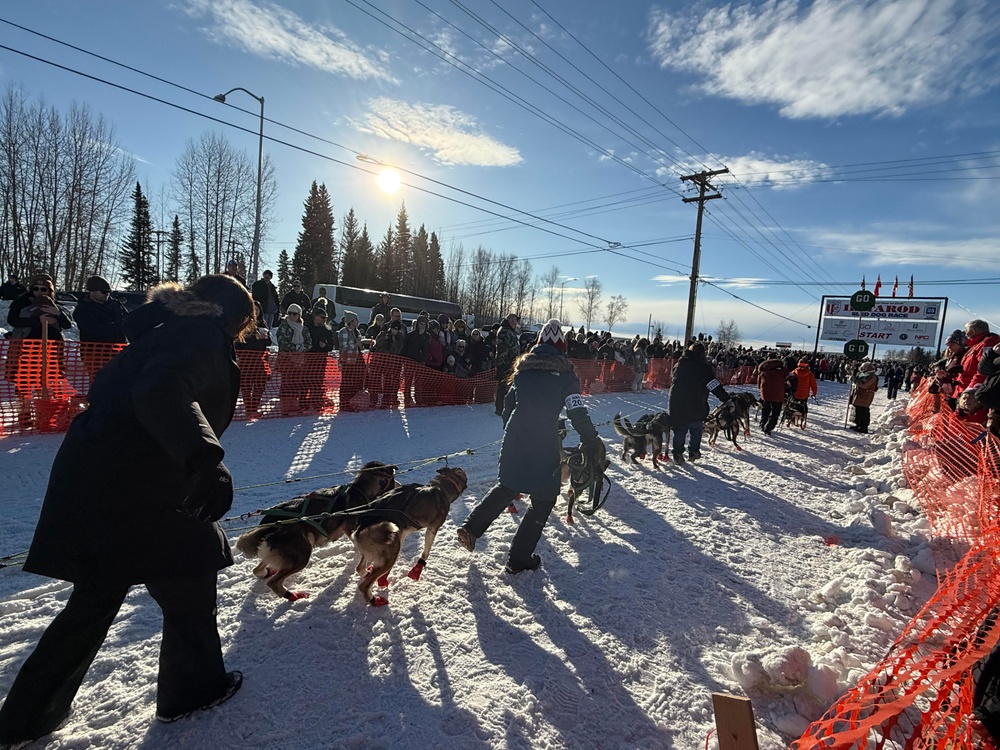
98 284
294 308
319 311
956 337
433 326
349 316
552 334
443 319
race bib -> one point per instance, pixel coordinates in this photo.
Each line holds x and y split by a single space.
712 384
574 401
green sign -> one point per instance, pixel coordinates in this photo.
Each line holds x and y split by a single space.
856 349
862 301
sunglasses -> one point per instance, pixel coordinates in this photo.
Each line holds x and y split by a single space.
39 289
295 314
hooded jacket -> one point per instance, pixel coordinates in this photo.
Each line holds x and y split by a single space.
771 380
693 379
863 388
805 382
544 383
127 463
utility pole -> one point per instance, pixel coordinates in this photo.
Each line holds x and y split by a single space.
701 180
159 256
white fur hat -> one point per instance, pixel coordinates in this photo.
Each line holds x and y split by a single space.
552 334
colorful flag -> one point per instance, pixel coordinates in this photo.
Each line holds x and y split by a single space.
878 285
862 281
895 286
911 284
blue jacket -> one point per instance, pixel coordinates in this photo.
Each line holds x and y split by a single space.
544 383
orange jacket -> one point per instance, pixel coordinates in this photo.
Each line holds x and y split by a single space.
806 382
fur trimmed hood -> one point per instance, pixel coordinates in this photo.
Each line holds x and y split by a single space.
166 301
544 357
182 302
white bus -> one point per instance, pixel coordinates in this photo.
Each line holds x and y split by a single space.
361 301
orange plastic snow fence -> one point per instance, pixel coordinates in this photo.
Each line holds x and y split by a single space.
920 694
43 392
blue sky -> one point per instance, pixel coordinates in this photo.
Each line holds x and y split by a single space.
862 137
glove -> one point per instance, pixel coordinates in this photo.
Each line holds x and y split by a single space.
212 496
594 450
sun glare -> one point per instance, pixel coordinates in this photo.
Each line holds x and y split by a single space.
388 180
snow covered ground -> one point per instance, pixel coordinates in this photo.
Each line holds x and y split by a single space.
783 572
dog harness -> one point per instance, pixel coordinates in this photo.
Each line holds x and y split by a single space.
308 512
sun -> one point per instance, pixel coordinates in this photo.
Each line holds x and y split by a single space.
388 180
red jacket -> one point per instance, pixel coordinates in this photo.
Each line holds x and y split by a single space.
771 380
970 361
807 382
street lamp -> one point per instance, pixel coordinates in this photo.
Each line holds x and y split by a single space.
255 251
562 293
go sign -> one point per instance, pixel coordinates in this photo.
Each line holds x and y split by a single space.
856 349
862 301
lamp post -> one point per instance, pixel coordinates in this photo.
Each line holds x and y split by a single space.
562 293
255 251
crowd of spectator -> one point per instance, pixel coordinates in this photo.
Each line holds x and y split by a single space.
966 377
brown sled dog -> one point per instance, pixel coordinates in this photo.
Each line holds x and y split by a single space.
383 526
284 544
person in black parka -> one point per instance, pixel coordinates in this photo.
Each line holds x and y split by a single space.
693 379
133 498
542 382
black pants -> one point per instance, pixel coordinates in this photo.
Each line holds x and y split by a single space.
862 417
502 388
529 531
191 672
892 388
770 411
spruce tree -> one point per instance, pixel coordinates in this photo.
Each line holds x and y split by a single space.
368 276
349 237
174 251
194 265
435 265
284 273
422 280
403 252
389 274
313 262
138 268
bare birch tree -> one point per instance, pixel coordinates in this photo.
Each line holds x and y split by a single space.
615 311
589 300
549 283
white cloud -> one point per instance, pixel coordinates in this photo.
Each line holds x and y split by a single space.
976 253
273 32
752 170
834 57
451 136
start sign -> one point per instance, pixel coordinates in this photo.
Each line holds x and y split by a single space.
862 301
856 349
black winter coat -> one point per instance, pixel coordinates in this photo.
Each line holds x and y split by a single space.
693 378
100 321
127 462
23 313
544 383
415 346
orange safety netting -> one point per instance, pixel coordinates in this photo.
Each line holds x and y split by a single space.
920 694
44 385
